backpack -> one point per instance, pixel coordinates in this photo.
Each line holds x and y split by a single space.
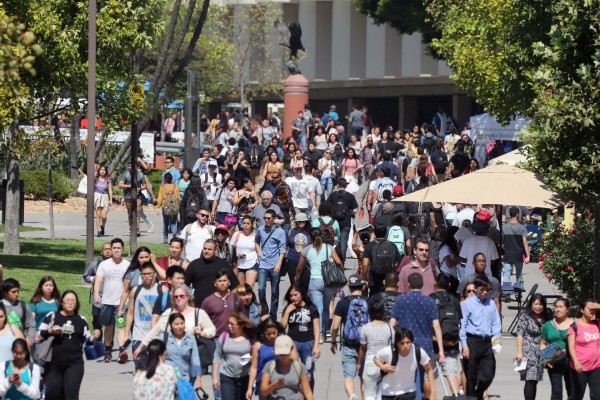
171 206
389 300
385 185
295 363
192 207
384 257
422 223
448 316
357 317
339 209
396 236
395 358
326 231
439 162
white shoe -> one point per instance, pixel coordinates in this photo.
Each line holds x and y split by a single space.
150 227
354 397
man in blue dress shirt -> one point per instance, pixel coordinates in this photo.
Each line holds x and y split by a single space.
480 329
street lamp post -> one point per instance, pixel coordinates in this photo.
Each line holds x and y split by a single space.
91 136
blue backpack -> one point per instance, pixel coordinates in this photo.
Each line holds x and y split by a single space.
357 317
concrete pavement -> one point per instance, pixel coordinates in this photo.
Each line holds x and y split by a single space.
115 381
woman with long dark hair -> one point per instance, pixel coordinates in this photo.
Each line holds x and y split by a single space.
45 299
399 379
70 331
301 319
102 198
288 157
555 332
157 379
529 329
448 258
313 257
231 368
584 349
272 167
250 303
350 167
20 378
245 199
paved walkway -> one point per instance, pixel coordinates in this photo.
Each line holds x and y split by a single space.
115 381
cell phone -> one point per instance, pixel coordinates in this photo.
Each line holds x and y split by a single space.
15 376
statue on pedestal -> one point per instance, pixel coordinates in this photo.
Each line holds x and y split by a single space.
292 39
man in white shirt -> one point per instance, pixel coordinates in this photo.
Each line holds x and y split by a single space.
301 190
109 282
479 243
466 213
195 234
314 186
210 182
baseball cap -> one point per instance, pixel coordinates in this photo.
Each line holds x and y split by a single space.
356 280
298 167
283 345
484 215
398 190
221 227
213 163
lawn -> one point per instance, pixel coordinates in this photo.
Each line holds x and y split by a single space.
63 259
24 228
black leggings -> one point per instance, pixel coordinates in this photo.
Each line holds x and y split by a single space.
557 374
580 381
530 389
63 382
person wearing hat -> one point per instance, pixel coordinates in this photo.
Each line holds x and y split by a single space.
301 191
211 181
297 239
285 378
266 203
479 243
351 345
515 245
224 249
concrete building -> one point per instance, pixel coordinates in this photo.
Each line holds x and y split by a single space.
350 60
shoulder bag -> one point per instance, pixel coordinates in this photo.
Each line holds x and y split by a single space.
333 276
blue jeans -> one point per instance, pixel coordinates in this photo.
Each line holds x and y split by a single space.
304 353
169 225
302 139
327 186
344 236
507 269
233 388
263 276
321 296
461 270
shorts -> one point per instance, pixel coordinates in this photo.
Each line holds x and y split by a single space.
252 268
405 396
140 362
349 361
101 200
107 315
451 367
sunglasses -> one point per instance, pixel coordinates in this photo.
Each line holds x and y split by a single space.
179 296
470 291
204 215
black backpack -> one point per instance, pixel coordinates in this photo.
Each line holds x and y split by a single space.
395 359
421 216
192 206
339 209
384 257
439 161
389 299
448 315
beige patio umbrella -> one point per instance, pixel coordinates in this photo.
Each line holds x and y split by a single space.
496 184
510 158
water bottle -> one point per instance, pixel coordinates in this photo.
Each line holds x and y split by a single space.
120 323
361 213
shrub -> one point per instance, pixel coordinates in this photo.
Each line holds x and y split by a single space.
567 257
36 185
154 176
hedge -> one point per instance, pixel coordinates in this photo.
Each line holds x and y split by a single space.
36 185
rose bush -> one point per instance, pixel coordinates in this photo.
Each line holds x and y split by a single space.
567 257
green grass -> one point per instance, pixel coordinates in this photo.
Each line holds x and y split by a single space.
63 259
24 228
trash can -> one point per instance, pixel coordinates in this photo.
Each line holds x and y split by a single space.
21 203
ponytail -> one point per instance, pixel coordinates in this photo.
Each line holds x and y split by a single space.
317 240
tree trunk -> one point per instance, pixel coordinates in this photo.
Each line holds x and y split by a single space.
50 203
13 199
75 141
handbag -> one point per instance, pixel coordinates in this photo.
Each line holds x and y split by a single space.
206 347
333 277
43 350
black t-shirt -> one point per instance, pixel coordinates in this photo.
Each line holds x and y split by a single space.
341 310
350 203
300 323
376 280
67 347
201 274
313 158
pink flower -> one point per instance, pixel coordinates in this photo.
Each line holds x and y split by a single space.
541 266
550 255
548 276
569 268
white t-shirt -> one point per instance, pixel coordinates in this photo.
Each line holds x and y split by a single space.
194 237
211 191
478 244
462 215
112 282
314 185
300 189
403 379
326 173
445 251
463 234
245 246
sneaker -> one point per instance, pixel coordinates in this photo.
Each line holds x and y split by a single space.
127 343
107 358
123 357
353 397
328 334
150 227
322 340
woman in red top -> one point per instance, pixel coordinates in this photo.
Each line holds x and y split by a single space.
584 341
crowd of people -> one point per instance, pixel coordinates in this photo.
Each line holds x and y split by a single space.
255 210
